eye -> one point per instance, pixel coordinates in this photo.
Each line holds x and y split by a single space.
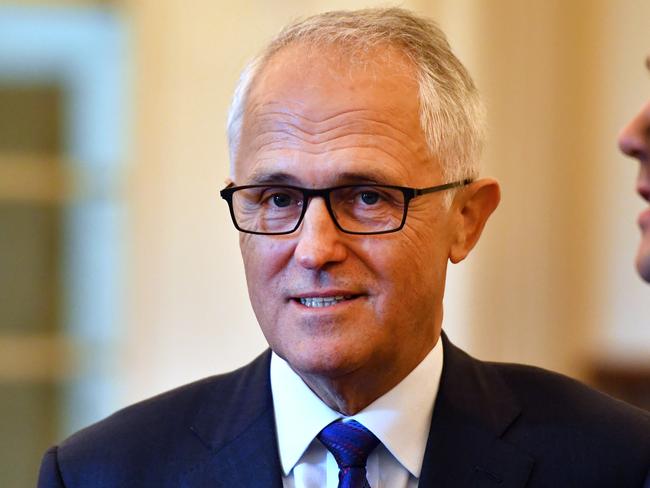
281 199
369 197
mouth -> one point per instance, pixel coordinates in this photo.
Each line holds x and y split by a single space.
324 300
319 302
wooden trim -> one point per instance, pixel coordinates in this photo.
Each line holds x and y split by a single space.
32 358
627 381
34 178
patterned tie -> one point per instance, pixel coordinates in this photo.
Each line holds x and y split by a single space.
350 443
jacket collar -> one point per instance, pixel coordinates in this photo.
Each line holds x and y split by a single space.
473 410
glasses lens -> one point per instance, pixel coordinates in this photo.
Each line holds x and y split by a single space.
368 208
267 209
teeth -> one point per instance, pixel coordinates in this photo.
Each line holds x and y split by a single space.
322 301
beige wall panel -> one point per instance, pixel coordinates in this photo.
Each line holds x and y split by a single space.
552 282
535 282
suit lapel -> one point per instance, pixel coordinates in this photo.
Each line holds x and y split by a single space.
237 427
473 409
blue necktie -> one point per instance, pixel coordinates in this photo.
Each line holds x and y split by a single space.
350 443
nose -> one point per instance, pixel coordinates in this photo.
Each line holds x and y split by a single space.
319 240
634 139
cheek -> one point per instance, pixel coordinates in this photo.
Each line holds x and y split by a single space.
404 269
264 254
419 266
425 248
264 259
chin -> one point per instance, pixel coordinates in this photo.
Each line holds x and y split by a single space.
323 362
325 366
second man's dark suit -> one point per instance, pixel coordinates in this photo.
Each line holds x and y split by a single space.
494 425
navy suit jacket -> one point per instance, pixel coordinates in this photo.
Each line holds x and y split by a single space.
494 425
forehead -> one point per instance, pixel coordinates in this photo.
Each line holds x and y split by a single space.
307 103
306 74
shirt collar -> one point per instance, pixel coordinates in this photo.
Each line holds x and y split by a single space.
401 418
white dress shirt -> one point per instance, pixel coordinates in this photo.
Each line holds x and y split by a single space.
400 419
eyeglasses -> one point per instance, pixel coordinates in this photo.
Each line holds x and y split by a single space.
355 209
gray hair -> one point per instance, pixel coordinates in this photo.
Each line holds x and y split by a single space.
451 112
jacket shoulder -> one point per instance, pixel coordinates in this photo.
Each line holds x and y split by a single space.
162 412
545 394
575 432
157 432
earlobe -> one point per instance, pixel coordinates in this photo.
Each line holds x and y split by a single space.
473 206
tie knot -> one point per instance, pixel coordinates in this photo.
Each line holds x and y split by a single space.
349 442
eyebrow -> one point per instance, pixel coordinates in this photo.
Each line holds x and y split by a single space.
348 177
279 178
363 177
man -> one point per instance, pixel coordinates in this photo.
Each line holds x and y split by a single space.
634 141
354 141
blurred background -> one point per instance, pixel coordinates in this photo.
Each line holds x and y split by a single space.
120 274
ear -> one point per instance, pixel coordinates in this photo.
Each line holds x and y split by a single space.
472 206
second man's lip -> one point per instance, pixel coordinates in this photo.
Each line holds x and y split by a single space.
644 219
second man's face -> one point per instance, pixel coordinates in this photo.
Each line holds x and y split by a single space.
315 121
634 141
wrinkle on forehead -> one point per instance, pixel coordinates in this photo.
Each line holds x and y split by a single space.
359 128
273 113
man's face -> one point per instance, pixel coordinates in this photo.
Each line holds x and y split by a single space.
314 121
634 141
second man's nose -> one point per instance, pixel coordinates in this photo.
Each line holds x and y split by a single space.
634 139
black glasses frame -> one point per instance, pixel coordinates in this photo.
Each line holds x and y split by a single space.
324 193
